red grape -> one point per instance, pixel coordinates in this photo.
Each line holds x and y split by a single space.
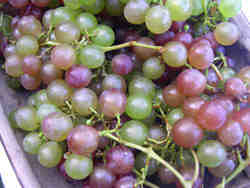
172 96
122 64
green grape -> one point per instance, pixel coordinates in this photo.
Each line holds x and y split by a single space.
63 14
32 100
78 167
87 22
180 10
124 1
114 7
197 7
32 143
50 154
134 131
103 35
174 116
26 118
47 18
46 109
230 8
227 73
158 19
140 162
139 106
211 153
149 121
142 85
27 45
12 120
94 8
72 4
92 56
67 32
153 68
41 98
87 3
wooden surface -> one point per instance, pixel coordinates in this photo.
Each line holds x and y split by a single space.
30 174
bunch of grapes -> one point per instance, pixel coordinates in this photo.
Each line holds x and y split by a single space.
122 100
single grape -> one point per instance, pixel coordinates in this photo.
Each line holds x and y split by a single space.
135 11
50 154
47 18
153 68
16 33
49 73
30 82
224 169
12 120
134 131
32 143
82 100
9 50
172 96
235 87
211 153
192 106
73 4
63 56
112 102
92 56
41 3
103 35
125 182
83 140
165 175
19 3
29 25
139 106
158 19
41 98
144 53
120 160
46 109
191 82
174 115
244 74
226 33
230 8
188 173
67 32
150 119
63 14
114 7
163 38
243 117
185 38
157 133
87 22
187 133
13 66
27 45
31 65
140 162
180 10
122 64
113 81
175 54
226 102
58 92
227 73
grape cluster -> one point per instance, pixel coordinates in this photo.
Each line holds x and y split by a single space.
122 100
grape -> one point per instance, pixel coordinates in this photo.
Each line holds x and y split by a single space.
50 154
87 22
227 73
140 162
58 92
135 11
56 126
187 133
226 33
212 115
142 52
134 131
200 56
192 106
95 8
163 38
114 7
31 65
235 87
139 106
231 133
9 50
153 69
73 4
13 66
63 56
197 7
32 143
11 118
16 33
103 35
150 119
82 100
47 19
243 117
165 175
29 25
44 110
120 160
158 19
49 72
226 102
177 26
27 45
211 38
78 76
30 82
92 56
175 54
185 38
41 98
191 82
180 10
157 133
41 3
19 3
122 64
63 14
172 96
174 115
101 178
113 81
211 153
244 74
224 169
112 102
159 97
188 173
230 8
103 141
67 32
83 140
78 167
125 182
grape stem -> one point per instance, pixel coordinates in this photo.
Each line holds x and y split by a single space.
217 72
149 151
130 44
